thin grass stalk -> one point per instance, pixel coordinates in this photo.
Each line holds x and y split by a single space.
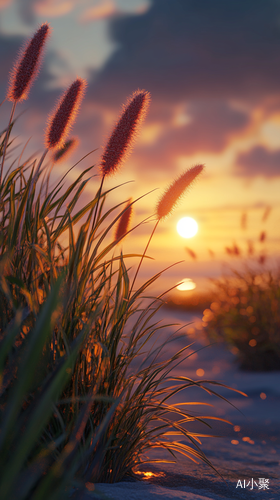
26 199
142 258
95 212
6 140
21 154
169 200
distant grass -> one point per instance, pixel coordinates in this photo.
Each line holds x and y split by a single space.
243 308
246 314
73 324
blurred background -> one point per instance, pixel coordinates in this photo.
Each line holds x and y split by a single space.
213 72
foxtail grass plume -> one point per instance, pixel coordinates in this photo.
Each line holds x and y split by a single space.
251 249
191 253
262 236
27 65
121 140
175 191
66 150
236 250
266 213
62 118
262 259
124 221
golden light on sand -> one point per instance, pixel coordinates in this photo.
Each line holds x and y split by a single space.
248 440
187 227
148 475
186 284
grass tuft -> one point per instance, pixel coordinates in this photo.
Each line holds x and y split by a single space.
245 313
82 395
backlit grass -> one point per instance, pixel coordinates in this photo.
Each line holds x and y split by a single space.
74 321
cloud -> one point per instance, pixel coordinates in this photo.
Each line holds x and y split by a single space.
195 57
196 54
9 47
258 162
210 128
103 10
53 8
107 9
4 3
26 11
188 49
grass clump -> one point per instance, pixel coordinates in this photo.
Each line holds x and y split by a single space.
82 394
245 308
242 307
245 313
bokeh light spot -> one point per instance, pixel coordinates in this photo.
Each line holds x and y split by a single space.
200 372
248 440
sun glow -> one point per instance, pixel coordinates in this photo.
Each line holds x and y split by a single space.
187 227
186 284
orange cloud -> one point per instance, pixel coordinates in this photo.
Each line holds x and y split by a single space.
53 8
101 11
4 3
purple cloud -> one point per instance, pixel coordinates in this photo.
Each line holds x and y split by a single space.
193 49
258 162
210 130
196 53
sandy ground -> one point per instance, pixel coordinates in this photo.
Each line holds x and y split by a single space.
246 455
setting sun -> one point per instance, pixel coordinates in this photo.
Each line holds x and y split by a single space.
187 227
186 284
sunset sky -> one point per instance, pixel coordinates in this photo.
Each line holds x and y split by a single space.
213 71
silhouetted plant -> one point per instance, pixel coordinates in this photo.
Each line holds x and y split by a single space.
245 310
72 407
